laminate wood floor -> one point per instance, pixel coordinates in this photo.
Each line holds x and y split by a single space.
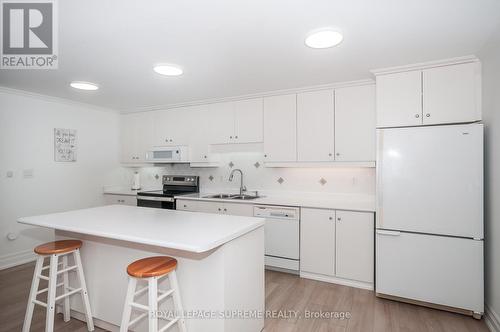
356 309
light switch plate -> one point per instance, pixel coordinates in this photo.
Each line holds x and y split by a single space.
28 173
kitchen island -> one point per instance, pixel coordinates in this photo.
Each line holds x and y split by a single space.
220 261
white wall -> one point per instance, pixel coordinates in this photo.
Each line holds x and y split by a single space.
339 180
490 57
27 123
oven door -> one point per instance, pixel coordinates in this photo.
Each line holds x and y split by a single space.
156 202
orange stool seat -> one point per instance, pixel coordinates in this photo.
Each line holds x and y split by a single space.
152 267
58 247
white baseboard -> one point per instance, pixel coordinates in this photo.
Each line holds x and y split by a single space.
337 280
16 258
492 319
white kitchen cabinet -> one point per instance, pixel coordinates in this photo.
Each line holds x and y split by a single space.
110 199
452 94
186 205
248 121
280 128
235 209
171 126
445 93
221 122
315 126
355 117
317 241
203 128
399 99
135 136
237 122
354 236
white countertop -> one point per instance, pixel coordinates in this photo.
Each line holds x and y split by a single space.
189 231
355 202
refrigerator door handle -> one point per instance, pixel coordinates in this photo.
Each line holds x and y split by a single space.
390 233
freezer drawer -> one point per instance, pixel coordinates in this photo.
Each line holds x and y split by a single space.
436 269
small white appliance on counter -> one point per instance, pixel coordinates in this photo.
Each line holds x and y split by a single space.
168 154
281 236
429 237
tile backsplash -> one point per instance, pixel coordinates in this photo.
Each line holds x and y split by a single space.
258 177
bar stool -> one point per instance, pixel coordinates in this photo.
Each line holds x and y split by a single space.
152 269
58 249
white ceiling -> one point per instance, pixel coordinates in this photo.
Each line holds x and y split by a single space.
229 48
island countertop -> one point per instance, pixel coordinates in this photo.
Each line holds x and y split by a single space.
189 231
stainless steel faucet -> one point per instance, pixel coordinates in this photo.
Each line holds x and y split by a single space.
242 187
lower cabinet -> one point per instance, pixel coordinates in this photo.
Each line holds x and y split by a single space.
110 199
234 209
337 243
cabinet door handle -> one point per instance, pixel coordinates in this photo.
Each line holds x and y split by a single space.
236 137
417 115
330 218
219 209
205 157
265 156
231 137
170 140
330 154
185 205
428 115
338 219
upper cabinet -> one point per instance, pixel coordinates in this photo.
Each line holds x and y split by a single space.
280 128
355 136
440 94
249 121
170 127
399 99
315 126
135 136
452 94
238 122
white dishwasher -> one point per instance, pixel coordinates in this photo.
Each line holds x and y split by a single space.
281 235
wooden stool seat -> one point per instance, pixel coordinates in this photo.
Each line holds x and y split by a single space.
152 267
58 247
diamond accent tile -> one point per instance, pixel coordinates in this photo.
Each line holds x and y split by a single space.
211 178
281 180
257 165
231 164
322 181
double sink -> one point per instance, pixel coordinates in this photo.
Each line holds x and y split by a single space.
233 196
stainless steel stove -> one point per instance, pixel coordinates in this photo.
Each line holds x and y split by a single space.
173 185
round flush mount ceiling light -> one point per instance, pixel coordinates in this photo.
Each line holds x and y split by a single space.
168 70
84 85
324 38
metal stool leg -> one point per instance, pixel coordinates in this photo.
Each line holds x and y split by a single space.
33 292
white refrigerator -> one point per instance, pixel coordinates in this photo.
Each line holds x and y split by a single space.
429 236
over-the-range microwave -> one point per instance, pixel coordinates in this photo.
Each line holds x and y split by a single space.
168 154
